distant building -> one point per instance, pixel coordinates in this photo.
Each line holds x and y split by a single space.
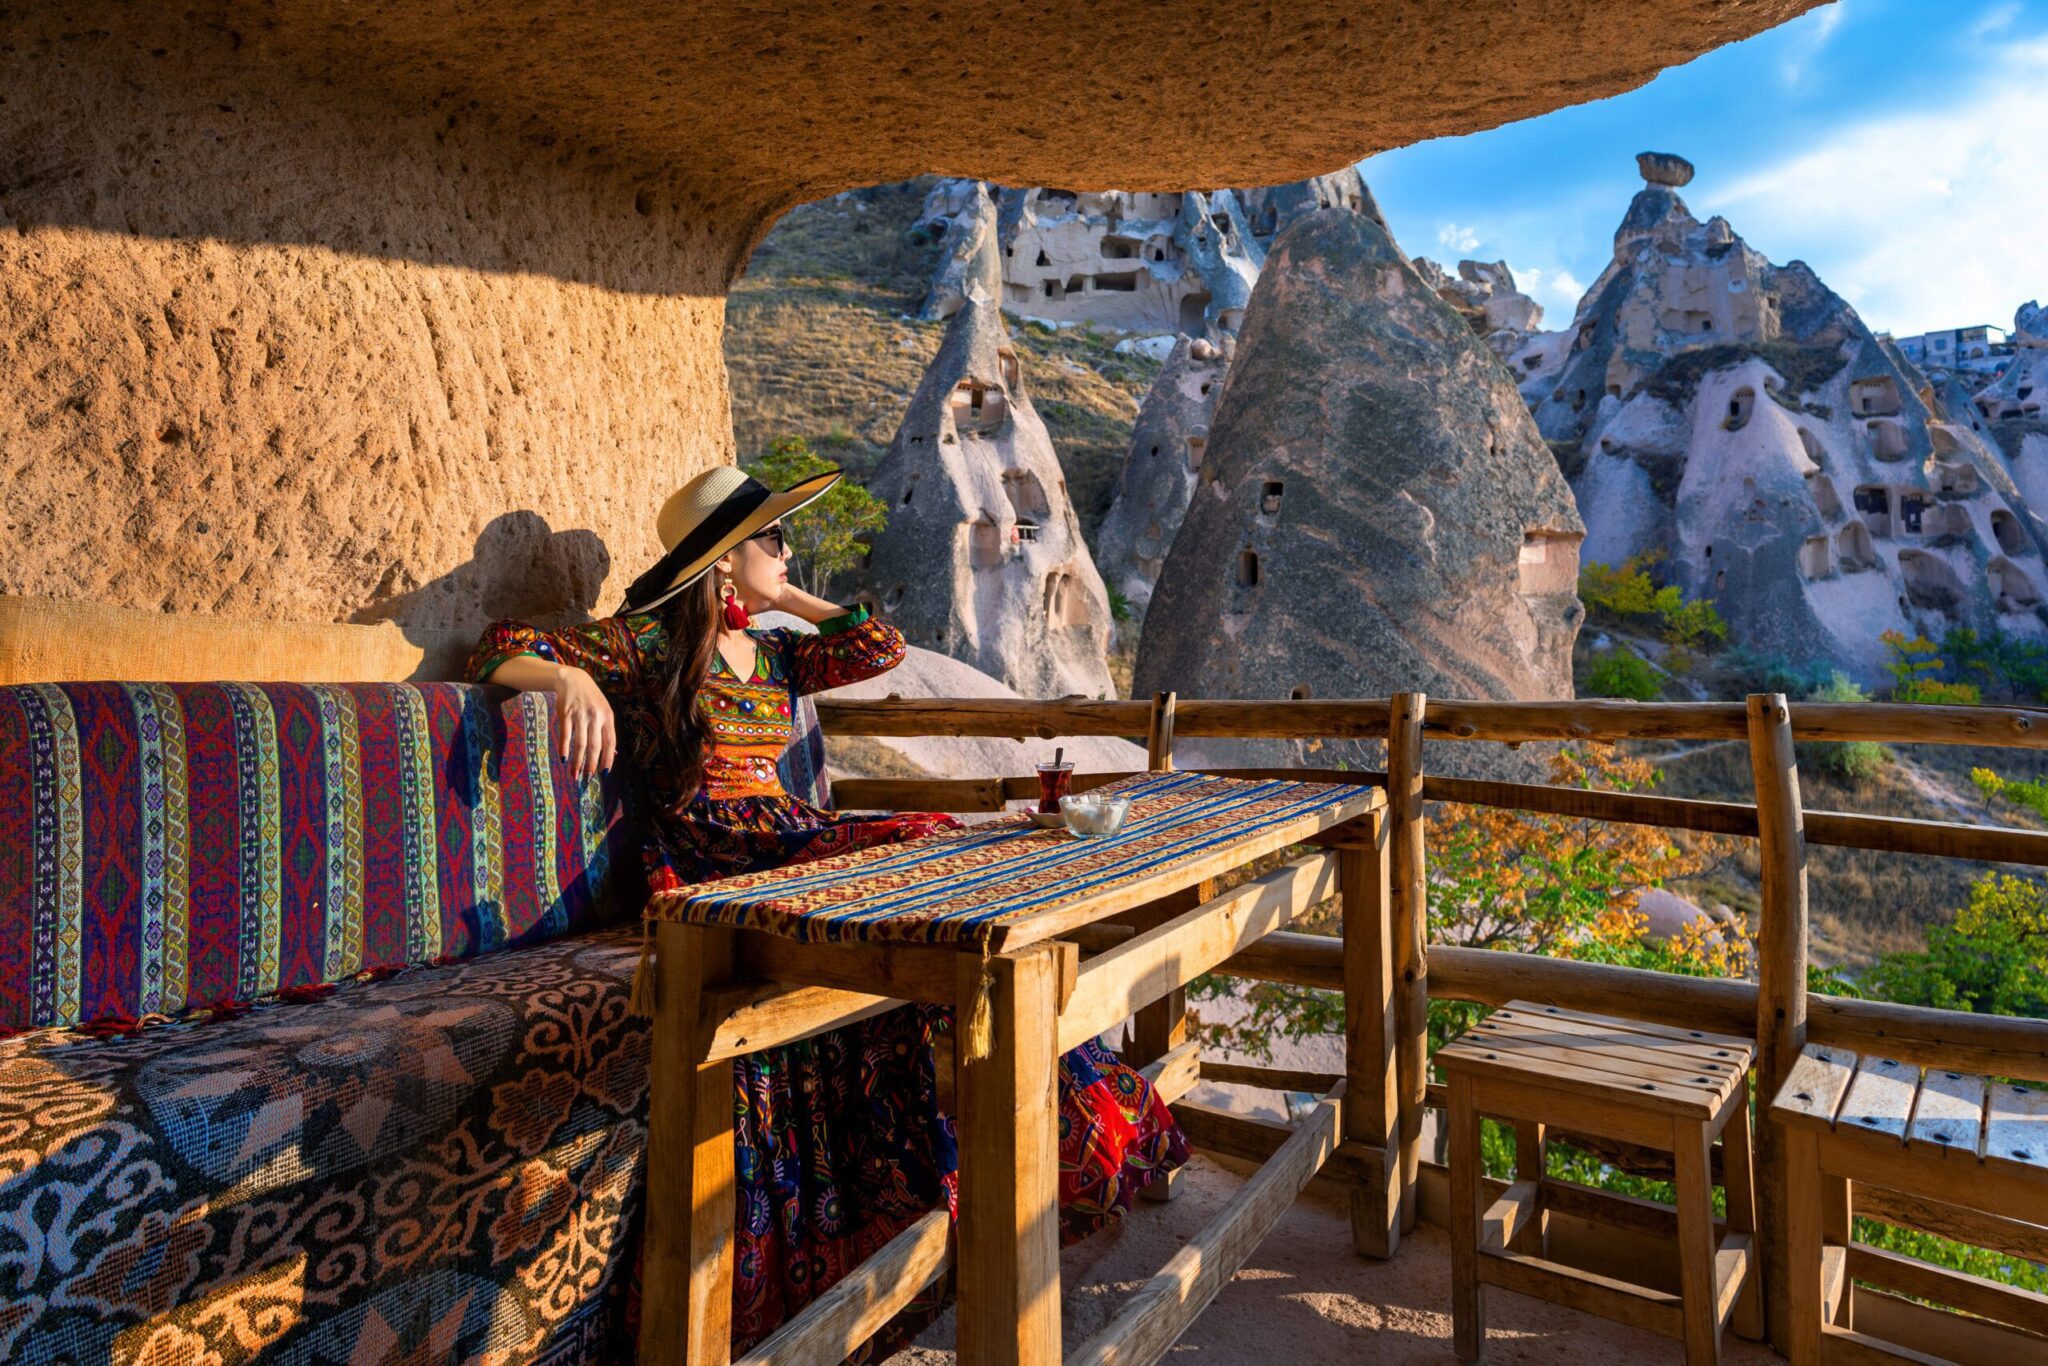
1983 347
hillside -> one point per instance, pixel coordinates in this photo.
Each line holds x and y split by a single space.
821 343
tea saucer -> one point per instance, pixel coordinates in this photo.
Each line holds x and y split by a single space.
1048 820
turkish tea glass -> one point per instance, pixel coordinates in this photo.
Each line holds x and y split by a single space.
1054 782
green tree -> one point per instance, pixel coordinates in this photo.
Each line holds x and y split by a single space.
1916 667
1852 761
1621 673
827 537
1993 959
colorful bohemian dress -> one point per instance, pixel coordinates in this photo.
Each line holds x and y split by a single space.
841 1141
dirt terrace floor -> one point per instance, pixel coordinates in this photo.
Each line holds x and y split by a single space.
1305 1296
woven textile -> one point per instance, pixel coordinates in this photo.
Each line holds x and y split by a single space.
164 846
442 1166
962 885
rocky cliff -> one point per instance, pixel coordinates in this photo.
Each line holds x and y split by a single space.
1160 472
1738 419
1376 510
982 558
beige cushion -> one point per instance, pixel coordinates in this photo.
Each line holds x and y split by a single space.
53 640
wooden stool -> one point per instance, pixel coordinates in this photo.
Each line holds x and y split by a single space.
1971 1156
1663 1088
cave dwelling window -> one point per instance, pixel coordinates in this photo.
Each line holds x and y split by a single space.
984 543
1854 550
1873 502
1813 557
1026 494
1300 692
1740 405
1810 444
1197 445
1043 259
1548 563
1930 583
1825 499
2012 587
1875 397
1269 497
1026 532
2005 529
1247 569
1887 439
1913 512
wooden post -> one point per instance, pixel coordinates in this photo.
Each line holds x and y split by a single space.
1159 736
686 1278
1781 980
1411 922
1161 1027
1372 1099
1009 1240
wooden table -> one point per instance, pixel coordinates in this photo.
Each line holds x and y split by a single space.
726 989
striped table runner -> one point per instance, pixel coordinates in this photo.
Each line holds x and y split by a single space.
962 886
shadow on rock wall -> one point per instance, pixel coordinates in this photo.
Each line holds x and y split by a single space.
519 568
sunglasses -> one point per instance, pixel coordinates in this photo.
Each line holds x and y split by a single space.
772 536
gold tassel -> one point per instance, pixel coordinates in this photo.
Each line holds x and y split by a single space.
641 1000
980 1037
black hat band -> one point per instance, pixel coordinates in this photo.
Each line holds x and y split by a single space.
719 523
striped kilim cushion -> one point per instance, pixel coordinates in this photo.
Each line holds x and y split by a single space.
965 885
164 846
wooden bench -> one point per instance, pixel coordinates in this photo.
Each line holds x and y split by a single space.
1968 1144
1660 1087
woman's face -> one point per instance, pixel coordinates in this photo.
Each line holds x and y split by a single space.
758 570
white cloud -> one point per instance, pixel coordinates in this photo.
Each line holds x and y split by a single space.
1922 218
1559 291
1453 237
1812 34
1996 20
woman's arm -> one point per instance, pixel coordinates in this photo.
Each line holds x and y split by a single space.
578 666
848 647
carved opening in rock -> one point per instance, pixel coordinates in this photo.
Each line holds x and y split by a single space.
1026 532
1810 444
1247 569
1055 290
1267 220
2005 528
1913 512
1269 497
1741 404
1950 522
1614 391
1230 319
1686 320
1578 400
1930 583
1222 222
1853 549
643 202
1532 362
1548 563
1957 478
1720 581
1193 308
979 407
2023 391
1874 505
1874 397
1155 450
1887 439
908 491
1119 282
1825 499
1196 446
1064 605
1013 374
1121 248
893 598
1813 557
1056 203
2011 586
1300 692
1026 494
984 543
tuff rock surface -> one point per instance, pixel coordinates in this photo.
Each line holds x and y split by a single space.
1376 510
1738 420
982 558
1161 470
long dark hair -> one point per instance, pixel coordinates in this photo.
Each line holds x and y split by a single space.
682 740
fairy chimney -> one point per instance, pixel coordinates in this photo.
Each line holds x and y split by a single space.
982 558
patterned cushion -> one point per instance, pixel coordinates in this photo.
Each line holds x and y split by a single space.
440 1166
164 846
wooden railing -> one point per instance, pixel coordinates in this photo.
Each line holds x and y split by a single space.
1776 1009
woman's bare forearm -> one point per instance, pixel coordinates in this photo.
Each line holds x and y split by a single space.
528 673
809 606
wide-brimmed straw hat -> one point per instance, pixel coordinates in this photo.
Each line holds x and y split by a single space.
707 517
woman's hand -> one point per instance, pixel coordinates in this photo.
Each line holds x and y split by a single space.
590 735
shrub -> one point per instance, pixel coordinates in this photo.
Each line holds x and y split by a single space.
1916 667
1626 596
1853 761
1621 673
1992 959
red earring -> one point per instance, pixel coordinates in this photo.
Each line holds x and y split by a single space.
736 617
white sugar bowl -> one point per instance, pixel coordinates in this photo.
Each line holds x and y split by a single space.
1093 817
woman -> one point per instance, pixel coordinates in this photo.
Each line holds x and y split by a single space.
841 1144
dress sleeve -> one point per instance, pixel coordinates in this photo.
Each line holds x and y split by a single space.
845 650
620 653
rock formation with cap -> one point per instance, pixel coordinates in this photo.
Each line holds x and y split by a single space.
982 558
1376 511
957 214
1738 420
1160 471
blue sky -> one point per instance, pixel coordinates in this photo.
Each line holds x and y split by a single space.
1899 147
